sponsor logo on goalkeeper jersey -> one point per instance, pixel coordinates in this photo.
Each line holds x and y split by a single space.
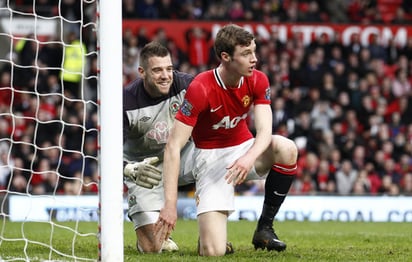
174 107
144 119
159 132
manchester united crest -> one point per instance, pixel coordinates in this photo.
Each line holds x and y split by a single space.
246 101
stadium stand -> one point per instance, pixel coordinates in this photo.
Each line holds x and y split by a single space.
349 108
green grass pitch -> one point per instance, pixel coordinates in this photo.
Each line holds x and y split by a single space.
307 241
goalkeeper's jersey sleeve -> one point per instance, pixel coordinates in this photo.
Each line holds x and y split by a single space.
147 121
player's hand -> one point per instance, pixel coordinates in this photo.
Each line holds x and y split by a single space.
144 173
166 222
237 171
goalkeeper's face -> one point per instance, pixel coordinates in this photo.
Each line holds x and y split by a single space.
158 76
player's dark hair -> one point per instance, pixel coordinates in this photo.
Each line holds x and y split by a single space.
150 50
229 36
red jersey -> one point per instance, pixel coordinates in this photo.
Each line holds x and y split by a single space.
218 113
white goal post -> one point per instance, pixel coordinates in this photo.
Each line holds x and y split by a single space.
111 216
61 130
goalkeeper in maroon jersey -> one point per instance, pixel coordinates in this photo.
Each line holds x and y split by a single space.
149 107
214 114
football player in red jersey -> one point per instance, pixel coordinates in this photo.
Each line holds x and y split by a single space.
226 153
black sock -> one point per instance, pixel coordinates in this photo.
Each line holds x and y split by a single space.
277 186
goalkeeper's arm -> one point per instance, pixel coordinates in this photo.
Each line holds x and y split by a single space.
144 173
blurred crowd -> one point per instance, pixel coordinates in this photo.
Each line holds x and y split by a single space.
347 107
273 11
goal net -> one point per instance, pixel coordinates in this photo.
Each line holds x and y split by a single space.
60 131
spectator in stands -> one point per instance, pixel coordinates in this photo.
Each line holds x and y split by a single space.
405 164
167 9
390 169
74 184
322 115
74 64
359 157
406 185
373 177
304 185
362 184
313 13
400 16
198 47
142 38
326 145
5 165
19 177
147 9
51 56
269 11
401 85
337 11
129 9
293 14
386 186
346 177
5 91
392 51
236 11
375 48
323 176
178 55
216 10
26 49
313 71
280 115
377 94
45 180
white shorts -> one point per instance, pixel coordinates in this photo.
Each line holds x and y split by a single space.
205 167
141 199
213 193
144 218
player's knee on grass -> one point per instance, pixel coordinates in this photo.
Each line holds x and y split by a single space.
212 249
147 242
213 233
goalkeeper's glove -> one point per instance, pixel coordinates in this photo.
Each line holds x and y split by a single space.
144 173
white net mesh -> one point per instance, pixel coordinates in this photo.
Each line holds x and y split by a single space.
48 130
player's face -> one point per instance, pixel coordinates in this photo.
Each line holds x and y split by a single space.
244 59
158 76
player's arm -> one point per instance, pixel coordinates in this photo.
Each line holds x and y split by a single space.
263 116
263 126
143 173
179 135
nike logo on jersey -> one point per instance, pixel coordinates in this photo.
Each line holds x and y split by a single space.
215 109
279 194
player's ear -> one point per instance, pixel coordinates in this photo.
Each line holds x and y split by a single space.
141 71
226 57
